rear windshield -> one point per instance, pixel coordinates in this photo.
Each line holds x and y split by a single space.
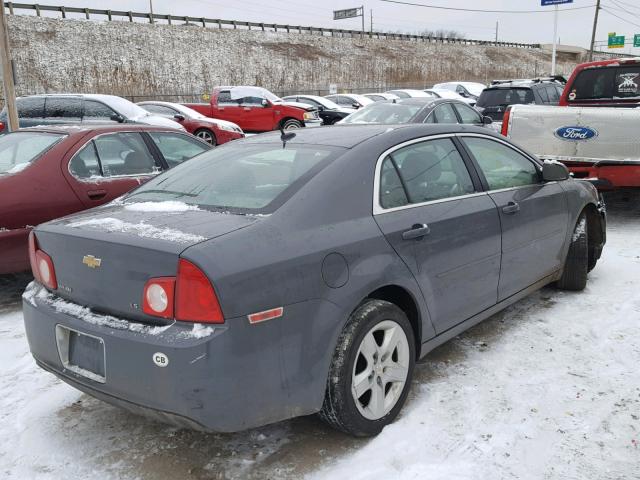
384 113
18 150
606 83
505 96
241 178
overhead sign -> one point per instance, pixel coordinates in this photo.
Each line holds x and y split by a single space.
546 3
636 40
348 13
615 41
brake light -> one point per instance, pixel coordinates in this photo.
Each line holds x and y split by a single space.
1 126
505 122
196 300
41 264
158 297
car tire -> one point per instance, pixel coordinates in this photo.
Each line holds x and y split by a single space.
576 266
291 124
375 350
206 135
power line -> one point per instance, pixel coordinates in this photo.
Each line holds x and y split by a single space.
621 8
628 5
606 9
482 11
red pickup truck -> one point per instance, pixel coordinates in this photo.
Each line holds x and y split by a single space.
606 83
256 109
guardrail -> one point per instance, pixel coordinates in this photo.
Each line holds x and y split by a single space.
234 24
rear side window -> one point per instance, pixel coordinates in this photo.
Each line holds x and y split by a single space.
31 107
177 148
553 93
426 171
85 163
18 150
63 108
593 83
502 166
124 154
224 97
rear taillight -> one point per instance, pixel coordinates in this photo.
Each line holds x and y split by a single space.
196 300
505 122
188 297
1 126
158 297
41 264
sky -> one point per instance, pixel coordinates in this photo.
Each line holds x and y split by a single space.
574 27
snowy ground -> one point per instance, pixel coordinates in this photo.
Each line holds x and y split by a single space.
548 389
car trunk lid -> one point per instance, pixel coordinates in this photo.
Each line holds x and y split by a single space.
103 258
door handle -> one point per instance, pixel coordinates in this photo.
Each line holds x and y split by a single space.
246 109
511 208
417 231
96 194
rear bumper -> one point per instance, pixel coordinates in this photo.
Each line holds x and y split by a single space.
15 250
608 174
229 378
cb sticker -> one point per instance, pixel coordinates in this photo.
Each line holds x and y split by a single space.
160 359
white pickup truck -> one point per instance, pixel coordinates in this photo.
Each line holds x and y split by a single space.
598 144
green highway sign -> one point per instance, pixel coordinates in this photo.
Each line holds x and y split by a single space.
636 40
616 41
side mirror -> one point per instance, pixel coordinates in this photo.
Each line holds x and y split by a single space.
116 117
320 108
179 117
265 103
355 105
463 94
553 171
487 120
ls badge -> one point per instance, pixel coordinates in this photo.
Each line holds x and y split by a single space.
91 261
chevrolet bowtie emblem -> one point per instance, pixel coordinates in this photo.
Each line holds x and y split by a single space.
91 261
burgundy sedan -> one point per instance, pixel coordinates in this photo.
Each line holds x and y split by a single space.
211 130
49 172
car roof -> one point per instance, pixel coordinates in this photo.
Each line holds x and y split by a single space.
92 96
349 136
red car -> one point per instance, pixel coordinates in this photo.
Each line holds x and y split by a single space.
49 172
606 83
256 109
213 131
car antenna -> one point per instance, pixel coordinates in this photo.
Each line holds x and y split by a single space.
285 137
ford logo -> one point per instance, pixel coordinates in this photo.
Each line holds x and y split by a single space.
577 134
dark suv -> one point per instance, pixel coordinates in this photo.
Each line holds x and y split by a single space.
493 101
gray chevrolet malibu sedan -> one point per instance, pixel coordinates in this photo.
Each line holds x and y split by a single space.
306 273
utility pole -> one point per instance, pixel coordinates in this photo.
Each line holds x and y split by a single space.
555 41
593 35
7 73
496 32
371 29
151 11
362 8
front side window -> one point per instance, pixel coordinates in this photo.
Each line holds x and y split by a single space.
97 111
160 110
245 178
423 172
177 148
502 166
468 114
63 108
20 149
444 114
124 154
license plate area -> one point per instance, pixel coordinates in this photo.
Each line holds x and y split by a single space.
81 353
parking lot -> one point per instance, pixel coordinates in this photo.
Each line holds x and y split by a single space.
548 388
